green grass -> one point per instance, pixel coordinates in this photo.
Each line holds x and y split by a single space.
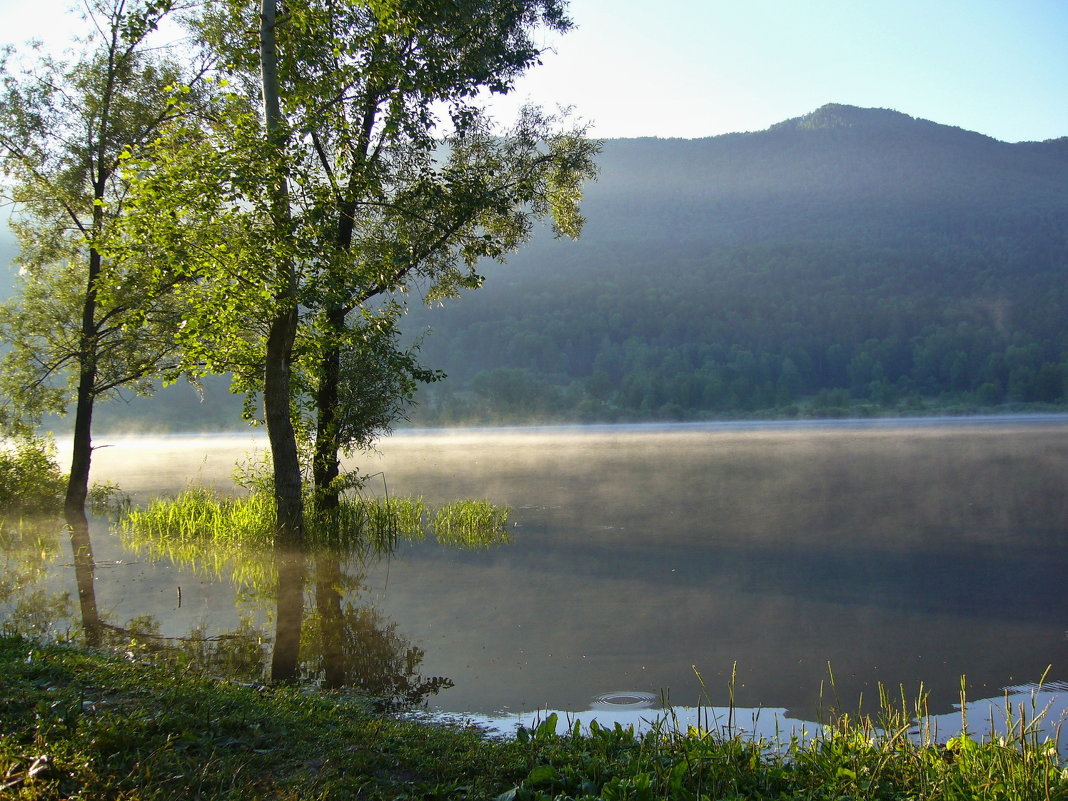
471 524
90 725
94 726
198 512
359 527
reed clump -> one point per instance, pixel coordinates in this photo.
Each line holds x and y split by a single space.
471 524
199 512
358 527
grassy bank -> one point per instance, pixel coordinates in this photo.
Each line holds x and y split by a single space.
95 726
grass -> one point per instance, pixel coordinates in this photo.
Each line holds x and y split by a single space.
366 525
194 513
471 524
90 725
214 534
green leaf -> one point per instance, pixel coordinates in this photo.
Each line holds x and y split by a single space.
543 774
546 730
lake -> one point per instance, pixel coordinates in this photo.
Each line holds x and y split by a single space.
647 564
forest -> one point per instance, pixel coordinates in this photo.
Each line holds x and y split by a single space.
852 261
848 262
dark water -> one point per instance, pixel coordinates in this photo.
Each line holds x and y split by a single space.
641 558
897 556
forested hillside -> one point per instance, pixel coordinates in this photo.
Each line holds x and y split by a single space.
849 261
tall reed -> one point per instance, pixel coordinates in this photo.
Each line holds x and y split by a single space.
203 528
471 524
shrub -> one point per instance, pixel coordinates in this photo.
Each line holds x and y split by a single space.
30 479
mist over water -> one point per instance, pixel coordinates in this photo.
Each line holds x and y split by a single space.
899 555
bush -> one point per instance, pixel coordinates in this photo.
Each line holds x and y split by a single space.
30 479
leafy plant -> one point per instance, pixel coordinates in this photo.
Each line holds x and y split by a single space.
107 498
30 479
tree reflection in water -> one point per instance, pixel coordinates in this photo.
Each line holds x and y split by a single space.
339 645
27 548
289 568
81 546
336 643
352 646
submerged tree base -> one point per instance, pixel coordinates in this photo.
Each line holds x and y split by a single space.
88 724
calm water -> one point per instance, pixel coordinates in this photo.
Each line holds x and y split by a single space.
642 557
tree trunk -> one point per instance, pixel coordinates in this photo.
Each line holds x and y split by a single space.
289 503
327 459
277 391
82 444
280 433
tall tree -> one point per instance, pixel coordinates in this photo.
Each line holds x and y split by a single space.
346 163
395 204
84 326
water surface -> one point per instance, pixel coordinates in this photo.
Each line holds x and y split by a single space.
657 560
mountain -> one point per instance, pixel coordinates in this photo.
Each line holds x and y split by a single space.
847 260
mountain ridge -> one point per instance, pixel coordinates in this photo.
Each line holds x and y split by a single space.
884 258
848 259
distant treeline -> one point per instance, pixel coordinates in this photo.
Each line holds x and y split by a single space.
799 330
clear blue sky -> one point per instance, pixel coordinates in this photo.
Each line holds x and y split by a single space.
694 68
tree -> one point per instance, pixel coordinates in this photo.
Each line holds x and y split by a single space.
318 219
345 163
84 326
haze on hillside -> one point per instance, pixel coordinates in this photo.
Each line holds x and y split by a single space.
845 262
848 261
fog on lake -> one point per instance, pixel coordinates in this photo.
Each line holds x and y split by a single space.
651 562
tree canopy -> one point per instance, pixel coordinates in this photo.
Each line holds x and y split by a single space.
84 326
394 180
344 162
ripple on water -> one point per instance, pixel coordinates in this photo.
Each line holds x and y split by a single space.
625 699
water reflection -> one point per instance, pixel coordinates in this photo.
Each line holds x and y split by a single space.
338 641
28 547
289 614
81 546
355 646
899 556
333 641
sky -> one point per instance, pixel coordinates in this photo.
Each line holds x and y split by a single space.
694 68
